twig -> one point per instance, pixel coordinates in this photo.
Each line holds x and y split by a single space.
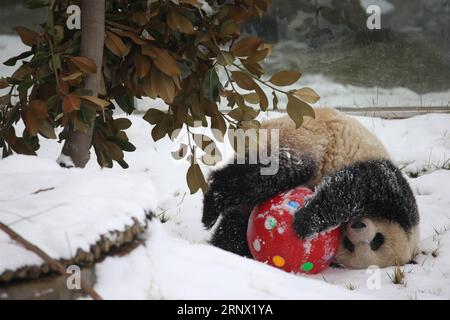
54 265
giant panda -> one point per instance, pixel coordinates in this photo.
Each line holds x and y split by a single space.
356 188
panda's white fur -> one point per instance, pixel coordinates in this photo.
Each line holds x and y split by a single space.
332 140
331 147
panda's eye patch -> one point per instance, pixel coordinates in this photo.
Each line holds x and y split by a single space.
348 244
377 241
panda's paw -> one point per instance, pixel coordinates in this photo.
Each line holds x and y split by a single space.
304 224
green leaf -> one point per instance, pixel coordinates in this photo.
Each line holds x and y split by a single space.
126 103
12 61
212 85
35 4
124 145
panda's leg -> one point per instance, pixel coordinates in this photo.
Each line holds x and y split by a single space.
230 233
243 185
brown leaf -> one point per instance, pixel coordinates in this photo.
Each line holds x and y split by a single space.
28 37
97 101
116 45
163 60
122 123
114 151
220 127
4 83
228 28
135 37
39 109
275 101
142 65
225 58
243 80
193 3
72 76
307 95
246 46
153 116
163 86
252 98
121 26
71 102
141 18
177 21
253 68
257 56
84 64
22 72
263 101
163 127
243 113
297 109
195 179
31 122
46 129
285 78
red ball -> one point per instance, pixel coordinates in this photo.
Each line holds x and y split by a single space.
272 238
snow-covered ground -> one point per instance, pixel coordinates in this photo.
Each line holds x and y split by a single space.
176 261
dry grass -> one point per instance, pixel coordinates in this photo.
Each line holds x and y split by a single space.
399 276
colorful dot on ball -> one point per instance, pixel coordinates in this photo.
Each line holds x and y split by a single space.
270 223
278 261
257 245
293 204
307 266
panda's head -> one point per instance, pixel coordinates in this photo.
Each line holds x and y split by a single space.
375 208
374 241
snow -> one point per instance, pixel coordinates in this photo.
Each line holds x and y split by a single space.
385 6
62 210
75 206
65 161
177 269
178 265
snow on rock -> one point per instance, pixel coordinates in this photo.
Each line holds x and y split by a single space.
176 269
61 210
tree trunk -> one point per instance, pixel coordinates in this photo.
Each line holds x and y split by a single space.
76 147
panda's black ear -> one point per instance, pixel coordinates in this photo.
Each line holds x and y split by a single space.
245 185
374 188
